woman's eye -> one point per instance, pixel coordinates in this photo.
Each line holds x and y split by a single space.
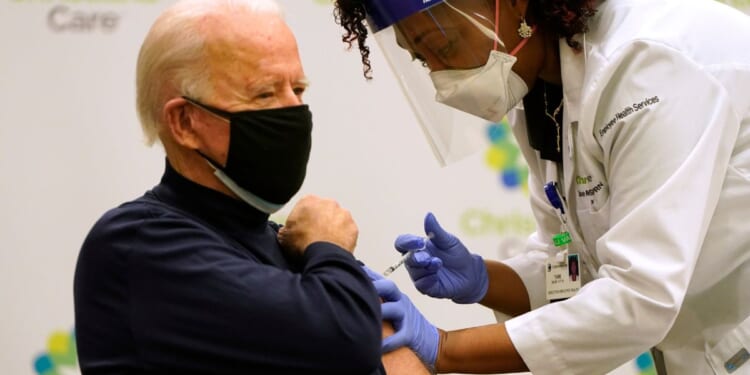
447 50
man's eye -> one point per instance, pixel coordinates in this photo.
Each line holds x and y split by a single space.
299 90
265 95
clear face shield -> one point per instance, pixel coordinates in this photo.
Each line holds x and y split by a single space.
452 67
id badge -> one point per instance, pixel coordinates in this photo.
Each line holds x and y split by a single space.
563 276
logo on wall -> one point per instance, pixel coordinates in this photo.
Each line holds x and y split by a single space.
741 4
510 228
63 18
504 157
644 364
76 17
61 357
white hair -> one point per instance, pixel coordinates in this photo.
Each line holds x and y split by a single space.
173 56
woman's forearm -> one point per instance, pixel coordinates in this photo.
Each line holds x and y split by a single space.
506 293
479 350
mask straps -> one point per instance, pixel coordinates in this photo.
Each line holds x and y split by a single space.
248 197
218 113
497 22
497 30
489 33
523 43
484 29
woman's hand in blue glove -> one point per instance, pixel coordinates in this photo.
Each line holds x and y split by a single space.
412 329
441 266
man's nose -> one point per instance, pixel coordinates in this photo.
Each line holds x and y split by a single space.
289 97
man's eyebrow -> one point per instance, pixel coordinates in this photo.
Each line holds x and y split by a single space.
267 82
304 80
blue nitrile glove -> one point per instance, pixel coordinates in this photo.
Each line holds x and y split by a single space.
444 268
412 329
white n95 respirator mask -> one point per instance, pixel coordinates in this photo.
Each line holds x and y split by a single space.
488 92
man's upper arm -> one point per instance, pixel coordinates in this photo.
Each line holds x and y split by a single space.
402 361
195 304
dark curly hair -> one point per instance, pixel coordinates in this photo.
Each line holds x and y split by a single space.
566 18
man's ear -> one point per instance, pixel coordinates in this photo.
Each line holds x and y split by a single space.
179 117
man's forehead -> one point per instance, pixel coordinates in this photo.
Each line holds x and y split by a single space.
259 36
252 57
243 24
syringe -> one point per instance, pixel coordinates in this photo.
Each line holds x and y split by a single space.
388 271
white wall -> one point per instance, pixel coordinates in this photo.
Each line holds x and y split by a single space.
70 148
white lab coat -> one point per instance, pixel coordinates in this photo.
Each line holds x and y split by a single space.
656 173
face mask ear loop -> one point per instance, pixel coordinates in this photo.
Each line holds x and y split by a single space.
211 111
523 43
497 23
484 29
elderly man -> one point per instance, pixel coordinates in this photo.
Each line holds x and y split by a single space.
191 278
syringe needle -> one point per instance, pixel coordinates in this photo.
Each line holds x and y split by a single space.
398 264
401 261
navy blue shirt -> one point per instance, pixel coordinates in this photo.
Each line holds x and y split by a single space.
187 280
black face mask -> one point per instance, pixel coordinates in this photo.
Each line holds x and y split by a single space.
268 152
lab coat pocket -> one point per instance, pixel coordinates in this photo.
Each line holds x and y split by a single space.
731 355
594 222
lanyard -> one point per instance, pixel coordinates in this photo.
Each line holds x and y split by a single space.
555 199
563 238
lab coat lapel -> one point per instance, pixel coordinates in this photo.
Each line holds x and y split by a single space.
572 67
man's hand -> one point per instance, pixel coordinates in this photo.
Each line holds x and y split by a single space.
315 219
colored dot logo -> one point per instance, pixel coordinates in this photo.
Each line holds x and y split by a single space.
504 157
61 357
737 3
645 364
